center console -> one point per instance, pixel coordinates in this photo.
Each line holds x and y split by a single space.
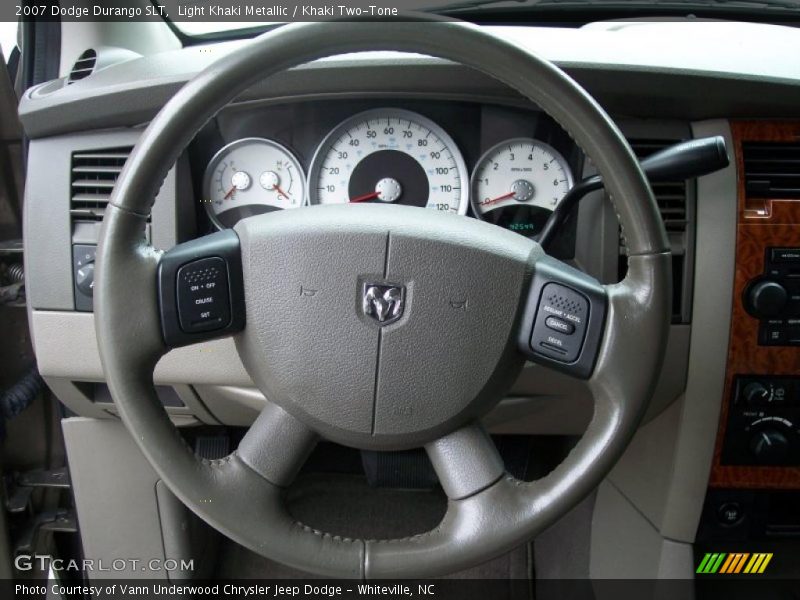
754 486
758 445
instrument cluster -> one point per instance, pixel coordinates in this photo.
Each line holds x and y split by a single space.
390 156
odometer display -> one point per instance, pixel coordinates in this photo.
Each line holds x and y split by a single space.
390 156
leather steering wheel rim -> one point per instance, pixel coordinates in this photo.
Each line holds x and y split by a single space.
489 512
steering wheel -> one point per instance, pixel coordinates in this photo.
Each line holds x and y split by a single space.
380 327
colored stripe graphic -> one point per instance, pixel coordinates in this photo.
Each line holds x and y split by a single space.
711 562
740 563
736 562
728 562
729 566
764 563
755 562
758 563
701 568
714 567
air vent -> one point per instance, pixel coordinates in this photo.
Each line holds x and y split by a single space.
772 170
83 67
670 195
94 173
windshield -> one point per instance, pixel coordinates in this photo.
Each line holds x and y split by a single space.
202 28
200 19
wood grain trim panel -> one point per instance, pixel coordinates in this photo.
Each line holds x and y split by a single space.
760 224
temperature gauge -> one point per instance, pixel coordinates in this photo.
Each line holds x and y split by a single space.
252 176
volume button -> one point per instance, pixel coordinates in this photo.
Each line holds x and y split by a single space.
766 299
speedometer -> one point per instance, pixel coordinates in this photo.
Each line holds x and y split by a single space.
389 156
518 183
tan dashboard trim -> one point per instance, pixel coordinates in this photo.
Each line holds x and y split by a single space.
759 224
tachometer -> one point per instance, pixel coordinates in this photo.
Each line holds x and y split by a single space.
389 156
518 183
249 177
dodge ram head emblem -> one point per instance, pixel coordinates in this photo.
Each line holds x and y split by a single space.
384 303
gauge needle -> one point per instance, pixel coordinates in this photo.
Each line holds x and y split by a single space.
365 197
498 199
230 193
281 192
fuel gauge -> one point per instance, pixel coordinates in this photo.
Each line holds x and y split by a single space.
252 176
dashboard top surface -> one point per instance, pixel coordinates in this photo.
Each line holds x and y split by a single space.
738 56
717 47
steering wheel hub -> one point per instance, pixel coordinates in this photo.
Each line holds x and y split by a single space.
367 377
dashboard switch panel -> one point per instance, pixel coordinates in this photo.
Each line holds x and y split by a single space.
83 276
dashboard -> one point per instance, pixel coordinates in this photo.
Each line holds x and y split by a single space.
507 166
339 130
388 127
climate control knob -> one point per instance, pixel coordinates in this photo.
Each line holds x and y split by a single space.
756 393
769 446
766 299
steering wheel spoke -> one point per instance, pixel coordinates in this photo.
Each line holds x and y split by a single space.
466 461
277 445
563 319
200 290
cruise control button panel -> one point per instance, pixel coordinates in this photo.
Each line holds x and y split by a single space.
563 319
200 289
560 324
203 302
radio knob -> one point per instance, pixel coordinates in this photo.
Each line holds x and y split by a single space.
766 299
769 446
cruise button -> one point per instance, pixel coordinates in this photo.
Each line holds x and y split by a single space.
560 325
